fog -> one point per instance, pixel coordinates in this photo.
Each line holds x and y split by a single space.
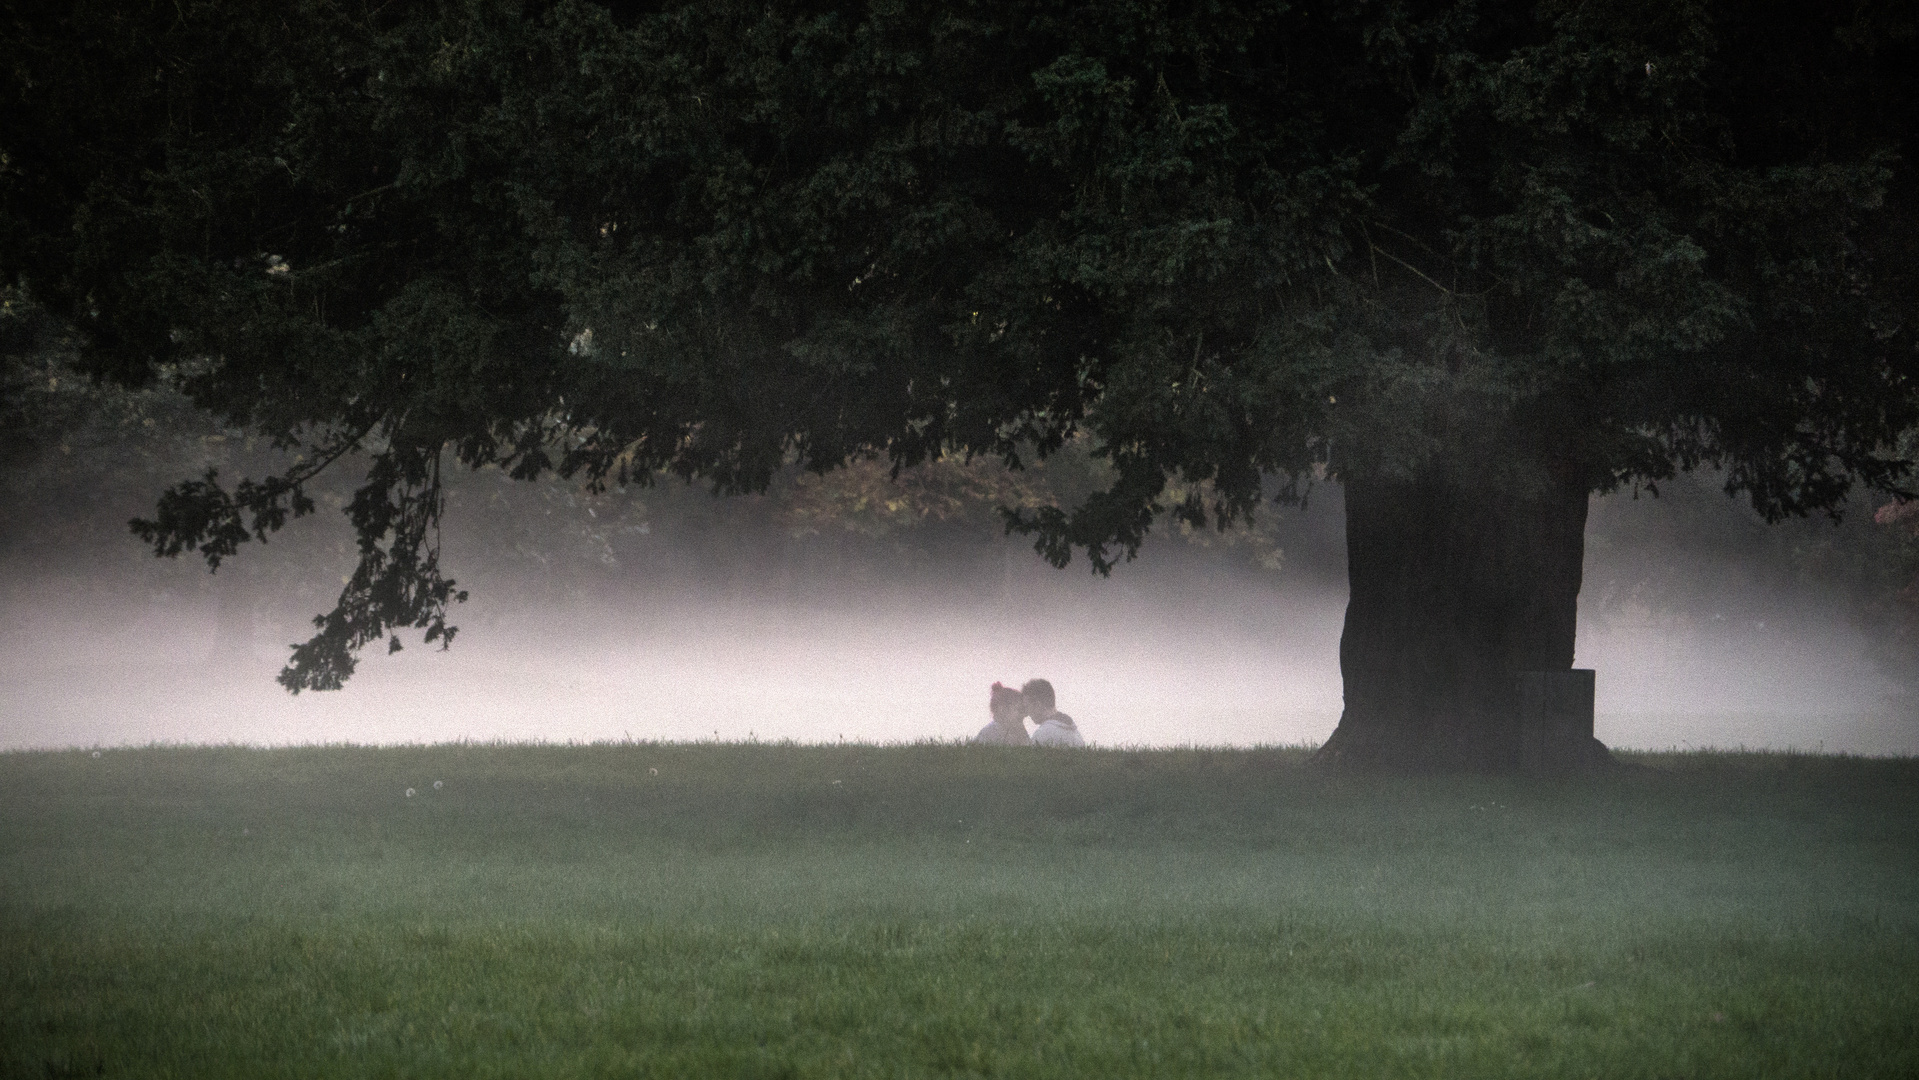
1146 659
1186 646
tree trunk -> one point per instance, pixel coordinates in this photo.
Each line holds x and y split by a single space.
1454 592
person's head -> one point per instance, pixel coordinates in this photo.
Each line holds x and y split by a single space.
1005 704
1039 698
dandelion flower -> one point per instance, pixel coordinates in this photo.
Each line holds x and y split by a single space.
96 753
654 772
438 784
409 793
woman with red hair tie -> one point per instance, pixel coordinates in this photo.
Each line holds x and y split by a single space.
1009 726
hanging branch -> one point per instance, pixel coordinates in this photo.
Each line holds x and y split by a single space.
200 515
397 582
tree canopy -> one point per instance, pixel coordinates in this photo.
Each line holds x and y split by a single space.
1240 246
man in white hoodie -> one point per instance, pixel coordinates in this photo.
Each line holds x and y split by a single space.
1052 727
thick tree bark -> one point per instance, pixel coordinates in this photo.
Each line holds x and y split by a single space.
1453 593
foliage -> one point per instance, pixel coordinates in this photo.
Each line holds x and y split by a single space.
868 497
81 452
1894 576
74 448
1472 244
1699 559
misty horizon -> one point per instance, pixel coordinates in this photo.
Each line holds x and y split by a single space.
1179 648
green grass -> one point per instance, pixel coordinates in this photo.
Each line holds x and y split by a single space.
765 911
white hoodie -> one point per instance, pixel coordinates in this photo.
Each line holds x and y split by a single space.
1057 730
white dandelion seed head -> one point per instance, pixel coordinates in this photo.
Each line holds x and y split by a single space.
438 784
96 753
409 793
653 772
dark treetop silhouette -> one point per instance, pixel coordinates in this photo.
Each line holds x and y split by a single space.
1473 261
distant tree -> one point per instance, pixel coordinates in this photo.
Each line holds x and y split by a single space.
1473 261
70 447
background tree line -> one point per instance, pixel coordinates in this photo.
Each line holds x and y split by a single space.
79 450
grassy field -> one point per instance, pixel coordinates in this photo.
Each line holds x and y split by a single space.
767 911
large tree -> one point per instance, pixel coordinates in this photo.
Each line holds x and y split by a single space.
1472 261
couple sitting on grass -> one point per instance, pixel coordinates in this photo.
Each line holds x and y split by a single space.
1010 708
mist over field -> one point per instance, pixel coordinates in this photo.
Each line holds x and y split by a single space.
690 635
